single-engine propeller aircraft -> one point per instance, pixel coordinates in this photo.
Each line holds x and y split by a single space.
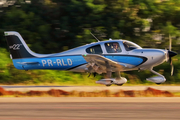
99 57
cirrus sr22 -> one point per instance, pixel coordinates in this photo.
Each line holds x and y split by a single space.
100 57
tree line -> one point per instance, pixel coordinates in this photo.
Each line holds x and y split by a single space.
50 26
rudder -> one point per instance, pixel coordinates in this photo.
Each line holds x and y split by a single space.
17 46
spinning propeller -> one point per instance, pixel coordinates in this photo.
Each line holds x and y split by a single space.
170 55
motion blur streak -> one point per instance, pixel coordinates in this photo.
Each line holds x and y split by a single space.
89 111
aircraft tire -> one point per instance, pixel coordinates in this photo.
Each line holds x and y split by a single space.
108 85
158 83
119 84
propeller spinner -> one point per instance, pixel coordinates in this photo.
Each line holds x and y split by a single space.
170 55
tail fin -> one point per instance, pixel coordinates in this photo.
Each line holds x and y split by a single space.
17 46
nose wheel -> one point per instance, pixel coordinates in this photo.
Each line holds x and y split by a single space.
158 83
119 84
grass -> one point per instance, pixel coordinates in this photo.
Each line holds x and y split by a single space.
176 94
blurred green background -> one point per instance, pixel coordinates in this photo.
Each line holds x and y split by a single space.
51 26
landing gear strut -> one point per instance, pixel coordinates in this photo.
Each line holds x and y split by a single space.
157 79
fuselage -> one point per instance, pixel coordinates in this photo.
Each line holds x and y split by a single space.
133 56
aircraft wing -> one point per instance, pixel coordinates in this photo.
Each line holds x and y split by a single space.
99 62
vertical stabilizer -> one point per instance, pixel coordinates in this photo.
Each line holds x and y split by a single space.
17 46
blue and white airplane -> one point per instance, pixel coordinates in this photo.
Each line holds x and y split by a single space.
99 57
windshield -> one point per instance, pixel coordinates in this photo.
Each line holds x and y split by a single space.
130 46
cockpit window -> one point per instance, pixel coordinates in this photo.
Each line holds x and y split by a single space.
113 47
130 46
94 50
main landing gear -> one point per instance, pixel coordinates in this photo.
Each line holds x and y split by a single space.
119 81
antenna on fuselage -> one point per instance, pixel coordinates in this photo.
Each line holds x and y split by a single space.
94 37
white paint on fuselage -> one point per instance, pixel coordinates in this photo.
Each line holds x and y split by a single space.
154 57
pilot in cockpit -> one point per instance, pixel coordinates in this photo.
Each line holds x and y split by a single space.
116 48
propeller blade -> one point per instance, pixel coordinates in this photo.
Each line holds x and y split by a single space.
170 42
170 60
171 54
172 69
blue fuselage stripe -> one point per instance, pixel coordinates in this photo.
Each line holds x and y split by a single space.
57 63
132 60
68 62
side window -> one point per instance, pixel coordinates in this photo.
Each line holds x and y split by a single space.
94 50
113 47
